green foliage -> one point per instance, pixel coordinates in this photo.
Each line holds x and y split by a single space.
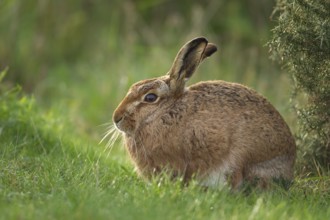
301 40
78 58
47 172
38 37
22 128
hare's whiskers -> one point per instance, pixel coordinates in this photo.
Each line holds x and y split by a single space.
112 133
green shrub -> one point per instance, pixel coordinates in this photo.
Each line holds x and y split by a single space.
301 41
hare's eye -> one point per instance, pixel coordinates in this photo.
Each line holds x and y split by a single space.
151 97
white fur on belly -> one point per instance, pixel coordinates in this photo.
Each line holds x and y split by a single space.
217 177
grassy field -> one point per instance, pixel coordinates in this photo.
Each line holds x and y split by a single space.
50 170
48 173
75 61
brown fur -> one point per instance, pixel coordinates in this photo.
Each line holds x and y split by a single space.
209 126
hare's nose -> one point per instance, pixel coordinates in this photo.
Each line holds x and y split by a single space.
117 118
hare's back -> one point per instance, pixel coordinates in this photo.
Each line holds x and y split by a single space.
231 95
234 102
246 116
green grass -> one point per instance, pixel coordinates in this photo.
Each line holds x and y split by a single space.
49 171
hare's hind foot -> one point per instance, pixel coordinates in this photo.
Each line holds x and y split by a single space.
278 170
262 175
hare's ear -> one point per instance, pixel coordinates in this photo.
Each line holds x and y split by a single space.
187 61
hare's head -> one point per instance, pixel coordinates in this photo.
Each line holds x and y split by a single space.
146 98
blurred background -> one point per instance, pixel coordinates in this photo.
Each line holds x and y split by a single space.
79 57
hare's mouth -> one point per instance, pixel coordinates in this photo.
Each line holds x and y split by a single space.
125 124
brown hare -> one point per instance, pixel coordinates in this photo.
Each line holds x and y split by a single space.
215 131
